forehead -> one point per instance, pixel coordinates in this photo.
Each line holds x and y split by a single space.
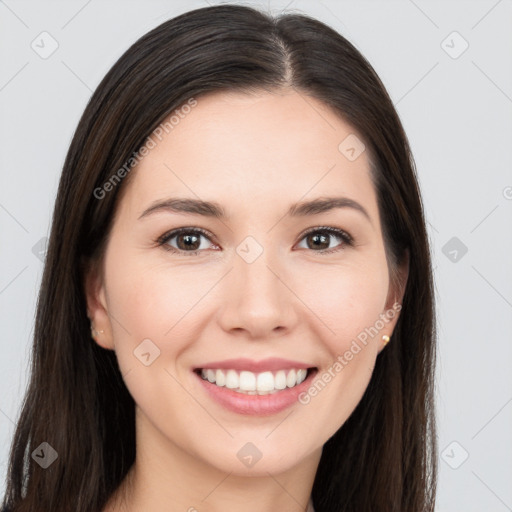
253 148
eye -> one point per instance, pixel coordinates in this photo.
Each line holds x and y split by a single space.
188 240
320 237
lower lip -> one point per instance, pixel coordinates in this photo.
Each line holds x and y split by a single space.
259 405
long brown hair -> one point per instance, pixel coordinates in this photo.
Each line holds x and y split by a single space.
383 458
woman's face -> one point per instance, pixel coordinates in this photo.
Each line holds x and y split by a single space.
253 286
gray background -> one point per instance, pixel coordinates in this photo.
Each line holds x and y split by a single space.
456 109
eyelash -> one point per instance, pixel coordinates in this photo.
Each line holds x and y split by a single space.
164 239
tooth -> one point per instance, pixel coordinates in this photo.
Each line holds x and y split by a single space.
280 380
301 375
242 392
265 381
247 381
291 379
255 384
232 380
220 378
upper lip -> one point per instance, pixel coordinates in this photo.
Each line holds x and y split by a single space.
243 364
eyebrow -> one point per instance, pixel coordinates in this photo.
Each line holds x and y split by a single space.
215 210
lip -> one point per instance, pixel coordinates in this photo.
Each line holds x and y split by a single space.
255 405
265 365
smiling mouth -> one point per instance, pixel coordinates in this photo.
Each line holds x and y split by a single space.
251 383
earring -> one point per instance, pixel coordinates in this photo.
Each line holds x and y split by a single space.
385 339
95 332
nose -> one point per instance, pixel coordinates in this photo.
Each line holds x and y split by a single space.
257 299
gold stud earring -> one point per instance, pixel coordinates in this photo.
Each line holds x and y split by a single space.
386 339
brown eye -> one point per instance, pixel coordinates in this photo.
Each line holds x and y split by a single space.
188 240
319 240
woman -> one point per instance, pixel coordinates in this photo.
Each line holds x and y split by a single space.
237 236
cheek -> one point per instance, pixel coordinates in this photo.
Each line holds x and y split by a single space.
347 299
159 302
161 305
170 303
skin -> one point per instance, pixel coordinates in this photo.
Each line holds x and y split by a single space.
255 155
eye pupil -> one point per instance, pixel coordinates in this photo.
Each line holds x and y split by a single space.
188 244
320 237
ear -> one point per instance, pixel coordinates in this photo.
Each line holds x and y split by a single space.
97 309
395 296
